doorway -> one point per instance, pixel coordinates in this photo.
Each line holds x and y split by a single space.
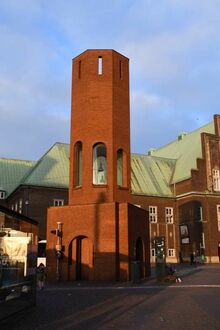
79 259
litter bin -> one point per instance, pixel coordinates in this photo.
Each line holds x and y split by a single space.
135 272
160 271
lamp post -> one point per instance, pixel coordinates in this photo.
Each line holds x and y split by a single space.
59 234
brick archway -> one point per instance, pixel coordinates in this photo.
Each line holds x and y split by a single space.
79 258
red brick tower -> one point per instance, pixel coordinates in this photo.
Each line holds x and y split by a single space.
102 232
100 128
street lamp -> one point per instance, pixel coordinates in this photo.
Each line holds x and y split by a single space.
59 234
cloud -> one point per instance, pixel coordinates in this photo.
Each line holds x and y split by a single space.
34 84
140 100
29 135
155 122
173 46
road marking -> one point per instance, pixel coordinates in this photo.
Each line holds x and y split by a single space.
177 286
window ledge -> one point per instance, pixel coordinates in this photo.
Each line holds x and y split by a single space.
123 188
77 187
99 185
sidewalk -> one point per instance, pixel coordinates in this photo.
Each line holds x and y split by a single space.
182 270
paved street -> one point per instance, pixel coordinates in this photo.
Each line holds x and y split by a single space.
193 304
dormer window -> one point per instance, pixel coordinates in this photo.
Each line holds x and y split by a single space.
216 180
2 194
99 164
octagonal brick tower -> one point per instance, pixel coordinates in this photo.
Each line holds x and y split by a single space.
102 232
100 128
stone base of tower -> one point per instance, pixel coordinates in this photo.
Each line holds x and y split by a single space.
100 242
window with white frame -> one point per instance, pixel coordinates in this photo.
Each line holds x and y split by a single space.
153 253
16 207
169 214
153 214
218 216
171 252
216 180
200 214
20 206
203 241
58 202
2 194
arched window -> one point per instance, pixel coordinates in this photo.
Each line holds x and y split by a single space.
120 167
99 164
78 164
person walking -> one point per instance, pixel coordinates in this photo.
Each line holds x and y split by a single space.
41 276
192 258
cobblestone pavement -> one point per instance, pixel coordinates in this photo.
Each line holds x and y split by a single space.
192 304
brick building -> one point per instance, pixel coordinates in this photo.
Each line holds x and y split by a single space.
185 204
178 183
29 187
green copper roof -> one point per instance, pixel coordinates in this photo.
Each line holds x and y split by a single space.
185 150
151 175
52 170
11 173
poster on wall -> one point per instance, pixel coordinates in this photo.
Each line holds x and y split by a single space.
184 234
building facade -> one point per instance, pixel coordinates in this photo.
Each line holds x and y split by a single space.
29 187
184 196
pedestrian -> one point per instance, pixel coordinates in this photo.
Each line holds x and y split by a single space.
41 276
169 269
171 275
192 260
180 257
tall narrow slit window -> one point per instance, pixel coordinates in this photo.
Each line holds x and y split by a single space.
78 164
100 65
121 69
79 69
99 164
200 214
120 167
202 244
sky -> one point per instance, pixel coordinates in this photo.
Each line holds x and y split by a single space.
174 52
